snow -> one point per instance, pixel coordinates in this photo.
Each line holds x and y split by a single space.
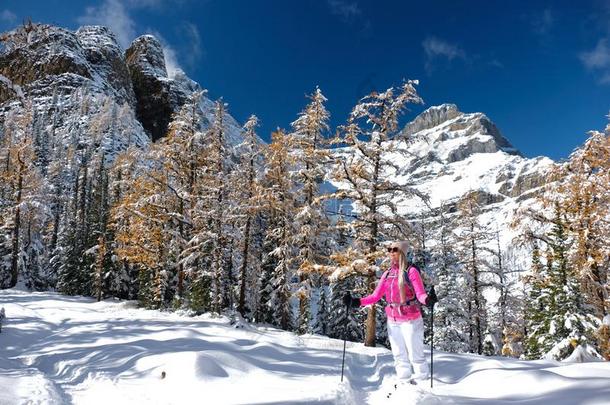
63 350
582 354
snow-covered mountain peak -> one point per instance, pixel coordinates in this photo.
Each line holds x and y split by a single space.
451 135
432 117
147 53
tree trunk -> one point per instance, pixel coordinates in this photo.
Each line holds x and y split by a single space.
244 266
17 228
477 304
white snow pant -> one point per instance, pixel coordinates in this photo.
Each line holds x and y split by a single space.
407 342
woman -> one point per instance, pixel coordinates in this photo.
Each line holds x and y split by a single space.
405 323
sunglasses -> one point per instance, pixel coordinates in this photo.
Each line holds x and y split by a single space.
392 249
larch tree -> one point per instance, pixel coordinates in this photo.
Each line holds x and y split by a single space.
585 199
186 159
470 235
451 319
246 195
280 212
214 190
21 202
311 155
364 169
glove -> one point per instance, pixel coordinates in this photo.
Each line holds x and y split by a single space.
350 301
431 299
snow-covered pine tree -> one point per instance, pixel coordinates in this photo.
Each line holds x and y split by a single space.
279 194
214 189
98 236
34 217
503 321
123 283
365 173
346 277
312 238
515 294
470 234
451 320
570 324
246 196
67 259
186 158
322 318
264 309
21 182
536 321
585 199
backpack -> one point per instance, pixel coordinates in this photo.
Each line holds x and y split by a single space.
428 289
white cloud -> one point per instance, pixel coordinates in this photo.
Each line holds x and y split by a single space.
344 9
437 49
598 60
8 16
191 51
171 60
193 39
112 14
115 14
543 22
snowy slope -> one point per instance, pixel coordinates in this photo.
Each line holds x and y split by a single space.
447 153
63 350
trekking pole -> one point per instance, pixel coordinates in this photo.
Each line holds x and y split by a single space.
344 341
431 345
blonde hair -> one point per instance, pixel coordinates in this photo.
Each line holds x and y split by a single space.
402 269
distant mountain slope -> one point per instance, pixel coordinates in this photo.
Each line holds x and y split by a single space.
450 154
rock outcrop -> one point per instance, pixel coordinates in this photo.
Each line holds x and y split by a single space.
70 77
152 88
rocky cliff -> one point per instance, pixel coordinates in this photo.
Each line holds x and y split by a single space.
68 78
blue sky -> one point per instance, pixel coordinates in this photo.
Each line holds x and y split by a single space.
539 69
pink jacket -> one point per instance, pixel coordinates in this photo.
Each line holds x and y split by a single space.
388 285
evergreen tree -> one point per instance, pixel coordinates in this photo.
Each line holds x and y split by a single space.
569 324
246 195
346 324
536 322
451 320
21 185
322 315
214 186
471 235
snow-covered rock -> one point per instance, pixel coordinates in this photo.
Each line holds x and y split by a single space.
583 354
70 79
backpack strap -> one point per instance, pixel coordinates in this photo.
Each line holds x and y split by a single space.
405 274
